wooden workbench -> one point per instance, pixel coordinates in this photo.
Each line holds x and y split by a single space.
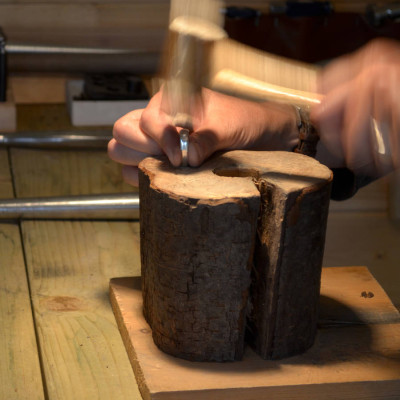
59 336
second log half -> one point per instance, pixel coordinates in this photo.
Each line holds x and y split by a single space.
232 252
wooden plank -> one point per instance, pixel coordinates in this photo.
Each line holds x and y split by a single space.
8 113
6 185
137 25
115 14
59 173
41 89
366 238
47 117
70 264
360 297
143 39
20 376
356 361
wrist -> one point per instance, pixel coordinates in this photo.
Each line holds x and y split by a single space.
280 129
308 135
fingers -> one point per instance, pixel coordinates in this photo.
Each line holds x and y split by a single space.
386 119
335 73
130 175
123 154
359 120
127 133
157 124
328 117
202 144
147 131
355 135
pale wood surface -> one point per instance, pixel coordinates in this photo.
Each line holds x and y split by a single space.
8 113
366 238
6 186
69 265
140 25
20 376
31 89
58 173
364 231
360 360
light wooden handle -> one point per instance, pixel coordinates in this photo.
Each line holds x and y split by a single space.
243 71
239 85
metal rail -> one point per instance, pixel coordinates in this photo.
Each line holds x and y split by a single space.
123 206
64 139
48 49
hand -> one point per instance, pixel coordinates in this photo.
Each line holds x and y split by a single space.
359 119
224 123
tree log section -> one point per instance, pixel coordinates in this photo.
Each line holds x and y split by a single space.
237 242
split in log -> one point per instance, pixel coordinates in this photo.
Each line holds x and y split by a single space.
233 246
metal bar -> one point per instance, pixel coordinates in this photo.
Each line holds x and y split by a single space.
98 139
123 206
56 50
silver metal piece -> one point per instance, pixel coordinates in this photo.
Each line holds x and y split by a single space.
184 141
123 206
74 140
380 133
48 49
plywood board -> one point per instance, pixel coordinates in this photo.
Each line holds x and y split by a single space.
353 356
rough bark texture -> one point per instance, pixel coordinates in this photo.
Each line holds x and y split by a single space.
197 260
237 242
287 270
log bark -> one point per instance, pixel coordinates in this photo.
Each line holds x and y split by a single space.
231 246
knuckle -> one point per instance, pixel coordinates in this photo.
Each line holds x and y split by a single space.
118 128
111 149
144 120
